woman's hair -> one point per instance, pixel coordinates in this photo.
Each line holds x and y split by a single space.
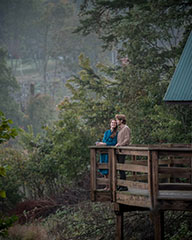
114 133
121 117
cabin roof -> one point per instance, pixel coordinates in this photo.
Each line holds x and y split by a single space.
180 87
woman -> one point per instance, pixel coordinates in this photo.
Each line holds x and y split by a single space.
109 139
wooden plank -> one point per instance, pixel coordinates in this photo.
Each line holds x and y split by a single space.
178 153
176 171
102 151
153 147
133 148
172 204
132 167
102 166
102 196
175 195
128 208
131 152
173 161
102 181
175 186
137 177
139 162
133 200
164 176
131 184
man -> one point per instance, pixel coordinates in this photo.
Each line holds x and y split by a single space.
123 139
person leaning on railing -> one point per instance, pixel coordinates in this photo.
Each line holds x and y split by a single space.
123 139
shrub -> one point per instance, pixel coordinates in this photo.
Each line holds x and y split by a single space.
15 178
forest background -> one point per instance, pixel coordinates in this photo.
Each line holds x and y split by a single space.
66 68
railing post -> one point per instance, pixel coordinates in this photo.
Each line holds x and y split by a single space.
114 174
150 180
93 170
110 154
190 167
157 215
155 177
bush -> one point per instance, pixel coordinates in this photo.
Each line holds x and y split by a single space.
84 221
15 178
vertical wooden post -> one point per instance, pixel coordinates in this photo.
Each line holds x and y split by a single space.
158 223
190 180
155 177
110 152
150 180
93 170
119 225
157 215
114 175
134 159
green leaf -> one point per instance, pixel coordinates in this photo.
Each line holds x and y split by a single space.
2 194
2 171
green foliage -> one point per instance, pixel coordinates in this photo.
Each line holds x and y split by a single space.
93 96
179 225
98 95
56 158
2 192
40 170
83 221
14 182
6 132
91 221
71 140
5 223
151 37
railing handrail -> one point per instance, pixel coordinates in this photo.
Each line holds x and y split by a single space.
161 147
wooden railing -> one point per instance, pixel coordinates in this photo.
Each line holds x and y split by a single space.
156 175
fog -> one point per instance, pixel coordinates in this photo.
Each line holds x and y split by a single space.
42 52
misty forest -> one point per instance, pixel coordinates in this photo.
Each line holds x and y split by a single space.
66 68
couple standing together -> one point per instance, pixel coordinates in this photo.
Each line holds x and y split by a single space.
118 135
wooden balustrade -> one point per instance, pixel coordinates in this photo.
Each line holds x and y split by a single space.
152 173
158 178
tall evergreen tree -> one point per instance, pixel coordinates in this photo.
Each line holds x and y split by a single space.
149 37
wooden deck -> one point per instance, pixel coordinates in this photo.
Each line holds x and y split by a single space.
158 178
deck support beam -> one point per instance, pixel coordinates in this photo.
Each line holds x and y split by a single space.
158 223
119 225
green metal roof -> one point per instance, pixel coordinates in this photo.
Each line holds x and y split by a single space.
180 87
